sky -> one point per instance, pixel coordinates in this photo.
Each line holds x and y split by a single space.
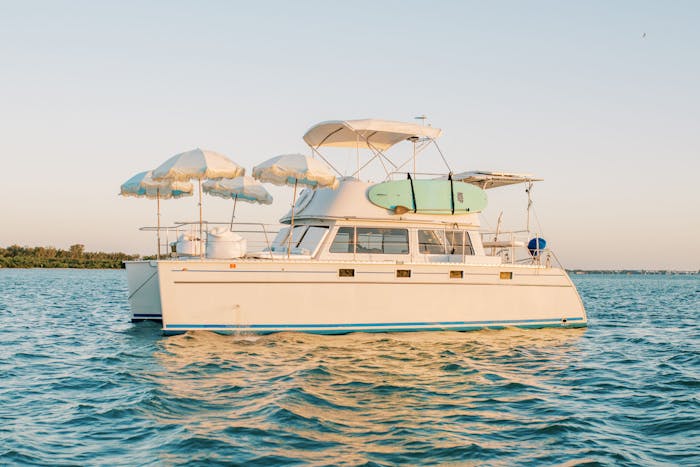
599 98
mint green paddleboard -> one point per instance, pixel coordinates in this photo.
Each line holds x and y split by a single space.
428 196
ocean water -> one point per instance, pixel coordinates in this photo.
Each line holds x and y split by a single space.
81 385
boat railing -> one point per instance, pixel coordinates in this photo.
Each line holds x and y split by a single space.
258 236
512 248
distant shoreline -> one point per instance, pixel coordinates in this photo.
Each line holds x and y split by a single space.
19 257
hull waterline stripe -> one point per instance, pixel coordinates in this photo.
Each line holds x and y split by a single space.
329 331
423 325
230 330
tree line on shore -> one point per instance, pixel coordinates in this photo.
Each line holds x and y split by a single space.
16 256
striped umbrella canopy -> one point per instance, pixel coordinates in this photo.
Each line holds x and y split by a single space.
295 169
142 185
198 164
240 188
243 188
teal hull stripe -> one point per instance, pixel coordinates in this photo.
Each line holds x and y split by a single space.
233 329
382 326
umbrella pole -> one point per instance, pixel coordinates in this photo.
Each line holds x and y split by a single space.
291 229
233 214
201 237
158 231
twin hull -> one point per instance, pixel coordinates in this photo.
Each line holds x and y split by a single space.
317 297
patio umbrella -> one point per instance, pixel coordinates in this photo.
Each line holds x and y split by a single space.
142 185
295 169
244 188
197 164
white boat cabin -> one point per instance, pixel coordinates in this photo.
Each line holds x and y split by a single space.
343 225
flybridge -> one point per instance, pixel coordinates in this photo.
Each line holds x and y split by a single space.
377 136
366 134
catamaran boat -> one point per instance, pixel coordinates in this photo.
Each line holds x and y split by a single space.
404 254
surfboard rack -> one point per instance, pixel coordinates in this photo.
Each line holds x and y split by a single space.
452 193
413 193
420 196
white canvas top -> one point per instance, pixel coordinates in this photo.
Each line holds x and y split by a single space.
379 134
485 179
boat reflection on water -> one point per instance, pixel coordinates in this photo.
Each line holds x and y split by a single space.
365 397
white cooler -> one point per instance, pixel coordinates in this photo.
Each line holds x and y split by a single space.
224 244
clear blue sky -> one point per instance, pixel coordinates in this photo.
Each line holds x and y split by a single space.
93 92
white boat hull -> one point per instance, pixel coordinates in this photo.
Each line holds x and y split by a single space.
310 296
144 290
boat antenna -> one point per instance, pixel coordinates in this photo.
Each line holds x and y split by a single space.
528 190
414 140
498 230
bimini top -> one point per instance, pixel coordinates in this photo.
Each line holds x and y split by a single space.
366 134
485 179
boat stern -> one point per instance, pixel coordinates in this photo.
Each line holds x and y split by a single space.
144 291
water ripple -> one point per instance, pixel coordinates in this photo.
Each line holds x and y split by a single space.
79 384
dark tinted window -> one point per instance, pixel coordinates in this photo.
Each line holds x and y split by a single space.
370 240
343 241
382 241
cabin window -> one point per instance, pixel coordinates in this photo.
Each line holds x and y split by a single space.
304 237
280 238
370 240
312 238
382 241
440 242
344 241
431 242
458 243
298 235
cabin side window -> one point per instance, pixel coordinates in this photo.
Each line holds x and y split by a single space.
312 238
282 239
370 240
382 241
344 241
458 243
306 238
431 242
